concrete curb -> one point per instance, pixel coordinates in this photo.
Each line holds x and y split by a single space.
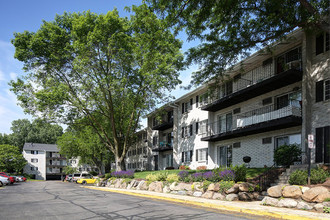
221 207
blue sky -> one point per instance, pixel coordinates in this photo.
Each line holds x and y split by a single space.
21 15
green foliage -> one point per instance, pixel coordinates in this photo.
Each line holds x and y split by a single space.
172 178
240 173
105 69
161 176
225 185
319 176
327 200
206 184
326 209
70 170
285 155
298 177
151 177
107 176
11 159
230 29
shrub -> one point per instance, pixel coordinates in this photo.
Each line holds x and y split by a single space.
197 177
162 176
285 155
298 177
171 178
206 184
123 174
201 168
183 174
208 176
240 173
227 175
318 176
151 177
225 185
184 167
107 175
216 173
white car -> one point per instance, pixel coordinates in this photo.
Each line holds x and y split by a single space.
4 181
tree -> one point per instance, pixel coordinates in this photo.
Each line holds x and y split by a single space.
5 139
85 144
11 159
230 29
69 170
286 155
103 68
39 131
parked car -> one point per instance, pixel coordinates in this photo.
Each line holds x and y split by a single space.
68 178
88 179
20 179
11 178
77 176
4 181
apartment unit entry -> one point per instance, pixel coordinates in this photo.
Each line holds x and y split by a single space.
269 99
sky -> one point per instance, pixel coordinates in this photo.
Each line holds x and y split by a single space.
21 15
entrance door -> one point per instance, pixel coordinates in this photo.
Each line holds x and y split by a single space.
156 162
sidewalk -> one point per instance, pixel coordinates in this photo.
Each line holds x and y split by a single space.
252 208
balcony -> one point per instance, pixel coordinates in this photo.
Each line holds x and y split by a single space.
268 118
55 165
256 85
163 146
166 124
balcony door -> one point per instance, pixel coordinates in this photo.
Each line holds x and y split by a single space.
224 156
292 99
225 123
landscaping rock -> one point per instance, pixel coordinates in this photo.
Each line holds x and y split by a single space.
304 205
208 195
152 186
123 185
219 196
316 194
183 186
189 193
216 187
142 185
319 207
269 201
166 189
287 203
232 197
264 193
292 192
158 187
275 191
326 204
118 183
245 196
211 187
304 189
197 194
173 186
233 189
244 187
256 195
182 192
198 186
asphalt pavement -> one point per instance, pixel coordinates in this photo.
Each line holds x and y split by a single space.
62 200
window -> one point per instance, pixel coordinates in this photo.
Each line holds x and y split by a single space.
322 90
322 43
288 139
290 99
203 126
201 154
34 160
186 156
186 106
187 131
34 168
196 127
191 130
322 151
289 60
203 99
34 152
225 156
154 141
225 123
197 100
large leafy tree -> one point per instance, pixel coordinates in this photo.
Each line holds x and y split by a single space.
230 29
11 159
103 68
39 131
83 142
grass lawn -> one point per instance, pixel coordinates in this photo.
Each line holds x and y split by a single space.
251 172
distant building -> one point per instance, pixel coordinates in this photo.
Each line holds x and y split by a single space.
46 163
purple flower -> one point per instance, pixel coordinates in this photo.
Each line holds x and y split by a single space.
208 175
227 175
123 174
183 174
197 177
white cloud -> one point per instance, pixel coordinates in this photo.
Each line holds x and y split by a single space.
13 75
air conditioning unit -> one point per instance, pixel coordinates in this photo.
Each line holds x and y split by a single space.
296 64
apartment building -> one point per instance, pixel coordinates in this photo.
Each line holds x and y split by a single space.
46 163
269 99
139 156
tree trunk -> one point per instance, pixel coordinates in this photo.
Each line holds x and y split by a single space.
120 164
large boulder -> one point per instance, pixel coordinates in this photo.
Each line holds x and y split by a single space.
292 192
269 201
156 187
118 183
304 189
166 189
182 192
275 191
245 187
152 186
142 185
245 196
316 194
184 186
208 195
211 187
233 189
197 194
287 203
304 205
218 196
232 197
173 186
198 186
319 207
123 185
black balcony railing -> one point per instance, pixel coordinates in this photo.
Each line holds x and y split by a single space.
163 146
163 125
251 118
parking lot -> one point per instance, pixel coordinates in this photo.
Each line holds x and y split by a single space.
63 200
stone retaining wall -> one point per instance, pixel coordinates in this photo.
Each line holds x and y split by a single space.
299 197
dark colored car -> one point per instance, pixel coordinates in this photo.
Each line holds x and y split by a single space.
11 178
